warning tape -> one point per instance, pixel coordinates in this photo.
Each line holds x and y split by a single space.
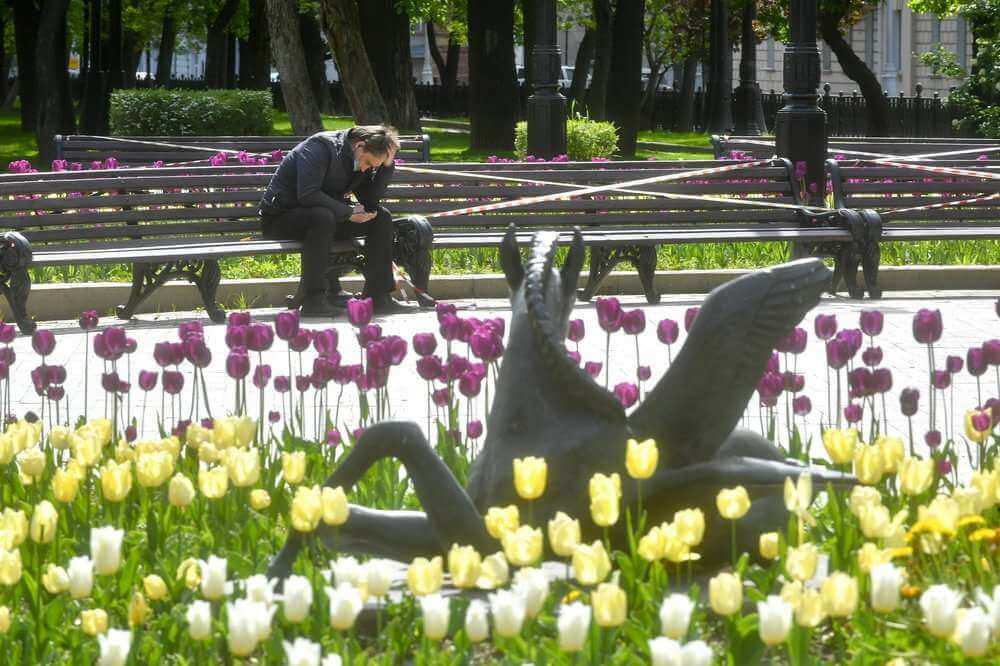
885 156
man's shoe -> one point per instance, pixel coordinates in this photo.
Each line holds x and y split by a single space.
318 306
388 305
339 299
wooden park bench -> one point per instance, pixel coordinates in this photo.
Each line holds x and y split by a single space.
762 147
178 222
144 151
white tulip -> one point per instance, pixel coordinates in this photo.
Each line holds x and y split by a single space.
494 572
259 588
508 613
573 625
774 617
533 586
666 652
302 652
345 604
213 577
332 660
991 604
940 603
106 549
696 653
244 630
886 581
973 632
199 619
81 576
347 570
297 598
434 608
675 615
114 647
378 577
477 621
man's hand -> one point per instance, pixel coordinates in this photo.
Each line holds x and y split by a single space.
362 217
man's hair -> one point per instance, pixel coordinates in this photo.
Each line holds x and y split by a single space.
378 140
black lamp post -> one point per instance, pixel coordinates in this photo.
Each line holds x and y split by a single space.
546 106
800 125
747 95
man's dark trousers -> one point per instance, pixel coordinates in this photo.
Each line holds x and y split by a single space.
317 228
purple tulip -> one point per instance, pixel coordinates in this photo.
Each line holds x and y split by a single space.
882 380
301 340
860 382
793 382
802 405
197 352
627 393
575 356
941 379
131 345
55 374
853 412
794 342
643 372
110 381
110 343
825 326
769 388
236 336
953 364
872 356
486 345
180 430
396 348
933 439
332 437
147 379
927 326
359 311
593 368
7 355
442 309
260 337
944 467
478 369
853 338
429 367
469 384
689 316
40 379
773 363
991 351
982 421
469 327
376 354
163 354
188 329
238 319
474 429
837 353
909 400
576 331
872 322
975 361
450 326
7 333
424 344
634 322
357 432
238 364
43 341
286 324
667 331
261 375
456 366
88 320
441 397
4 370
993 405
609 314
326 341
273 416
302 383
57 393
282 384
369 333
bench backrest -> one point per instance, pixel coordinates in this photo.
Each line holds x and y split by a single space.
128 152
112 205
762 147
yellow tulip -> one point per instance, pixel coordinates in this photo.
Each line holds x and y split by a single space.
892 452
424 576
116 481
840 445
942 509
876 523
32 463
94 621
502 520
245 429
213 482
335 507
862 496
591 564
4 620
810 612
153 469
15 524
725 593
868 464
207 453
86 449
59 437
870 555
610 605
800 562
259 499
155 587
197 435
190 571
978 436
64 486
43 522
690 525
224 433
7 451
530 476
605 499
180 492
769 545
653 545
55 580
675 549
523 546
733 503
307 508
494 572
564 534
293 467
641 458
969 500
138 609
464 566
840 594
986 483
243 466
101 428
915 475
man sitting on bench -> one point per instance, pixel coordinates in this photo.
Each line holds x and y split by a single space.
308 200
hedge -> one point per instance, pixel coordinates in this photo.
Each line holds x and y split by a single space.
179 112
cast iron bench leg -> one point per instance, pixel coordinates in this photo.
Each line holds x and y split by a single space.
603 260
15 281
872 252
148 277
412 250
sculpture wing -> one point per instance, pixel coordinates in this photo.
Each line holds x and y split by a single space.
700 400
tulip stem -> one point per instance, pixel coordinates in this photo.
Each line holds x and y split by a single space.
732 532
607 357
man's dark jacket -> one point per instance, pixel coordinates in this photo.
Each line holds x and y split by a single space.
320 172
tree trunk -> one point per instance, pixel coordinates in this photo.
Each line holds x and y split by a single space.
315 50
165 55
493 95
447 68
255 51
343 31
26 19
385 28
598 92
685 104
216 43
625 82
290 58
875 101
131 52
55 108
584 55
528 14
4 60
720 78
116 46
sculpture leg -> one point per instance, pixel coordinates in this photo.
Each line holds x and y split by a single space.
16 289
450 514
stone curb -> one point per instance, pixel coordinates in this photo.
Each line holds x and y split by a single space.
66 301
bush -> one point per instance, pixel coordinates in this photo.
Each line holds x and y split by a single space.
585 139
190 112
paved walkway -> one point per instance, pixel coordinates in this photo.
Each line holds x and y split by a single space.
969 319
